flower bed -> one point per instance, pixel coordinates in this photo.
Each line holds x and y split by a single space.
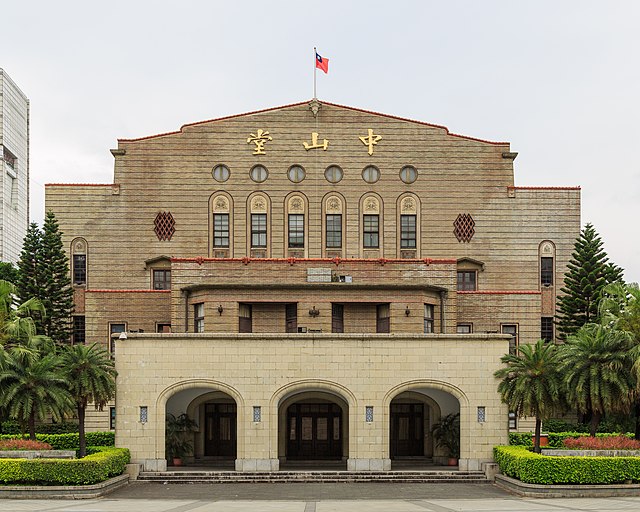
105 463
602 443
7 445
518 462
71 441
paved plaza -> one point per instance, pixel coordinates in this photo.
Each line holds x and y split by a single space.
152 497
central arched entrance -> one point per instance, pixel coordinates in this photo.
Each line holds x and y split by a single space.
313 426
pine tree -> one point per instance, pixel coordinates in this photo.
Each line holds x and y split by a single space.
56 293
589 271
28 283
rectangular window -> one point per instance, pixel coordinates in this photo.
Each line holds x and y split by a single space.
221 230
464 328
370 231
79 269
114 332
337 318
258 230
163 327
162 279
296 230
291 317
546 328
407 231
78 330
112 418
198 317
428 318
546 271
382 318
466 280
513 342
334 231
245 314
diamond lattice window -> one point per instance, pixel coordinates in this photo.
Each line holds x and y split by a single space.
165 226
463 227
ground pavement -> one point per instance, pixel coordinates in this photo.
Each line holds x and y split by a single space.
368 497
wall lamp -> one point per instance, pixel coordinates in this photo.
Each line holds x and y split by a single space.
220 309
313 312
407 311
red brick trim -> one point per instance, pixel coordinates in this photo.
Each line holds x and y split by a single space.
82 185
336 261
127 291
544 188
389 116
500 292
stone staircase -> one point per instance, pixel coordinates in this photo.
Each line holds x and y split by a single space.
218 477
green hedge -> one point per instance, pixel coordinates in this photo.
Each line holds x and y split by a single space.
13 427
518 462
72 441
98 467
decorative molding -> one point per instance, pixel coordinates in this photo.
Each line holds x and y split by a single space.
259 204
371 205
296 205
334 205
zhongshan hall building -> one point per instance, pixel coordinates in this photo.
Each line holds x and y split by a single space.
312 282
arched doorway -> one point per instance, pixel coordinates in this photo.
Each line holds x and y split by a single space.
412 414
215 412
313 426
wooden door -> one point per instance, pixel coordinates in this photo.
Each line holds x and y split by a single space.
220 433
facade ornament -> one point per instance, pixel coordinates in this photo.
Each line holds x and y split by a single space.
315 144
408 205
371 205
370 140
258 204
260 138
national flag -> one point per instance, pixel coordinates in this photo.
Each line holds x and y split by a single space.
322 63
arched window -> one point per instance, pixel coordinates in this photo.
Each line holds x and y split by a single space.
408 224
296 225
333 226
221 225
259 225
79 251
371 227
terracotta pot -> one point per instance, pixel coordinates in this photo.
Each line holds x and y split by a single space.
452 461
177 461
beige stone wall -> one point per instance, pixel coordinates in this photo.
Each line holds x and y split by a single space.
263 370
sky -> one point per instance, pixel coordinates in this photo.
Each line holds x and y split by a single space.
559 80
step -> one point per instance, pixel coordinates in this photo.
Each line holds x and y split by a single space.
314 476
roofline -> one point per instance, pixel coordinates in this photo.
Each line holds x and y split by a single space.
125 291
500 292
81 184
261 111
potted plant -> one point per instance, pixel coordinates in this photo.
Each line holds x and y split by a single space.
177 440
446 433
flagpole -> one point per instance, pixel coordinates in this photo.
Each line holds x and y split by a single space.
314 72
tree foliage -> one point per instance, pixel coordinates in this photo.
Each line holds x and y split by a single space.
43 273
91 377
8 272
589 272
531 385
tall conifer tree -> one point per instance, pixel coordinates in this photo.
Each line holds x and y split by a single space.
589 271
28 283
56 293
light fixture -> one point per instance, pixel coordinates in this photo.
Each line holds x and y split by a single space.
407 311
313 312
220 309
123 336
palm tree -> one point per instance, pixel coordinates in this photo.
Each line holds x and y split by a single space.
32 384
596 368
620 309
91 377
531 385
16 322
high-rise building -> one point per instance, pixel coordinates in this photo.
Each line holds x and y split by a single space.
14 164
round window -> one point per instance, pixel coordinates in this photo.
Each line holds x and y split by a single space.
259 173
296 173
371 174
408 174
221 173
333 173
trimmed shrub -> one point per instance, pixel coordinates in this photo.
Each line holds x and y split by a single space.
521 439
13 427
518 462
72 441
23 444
602 443
97 467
